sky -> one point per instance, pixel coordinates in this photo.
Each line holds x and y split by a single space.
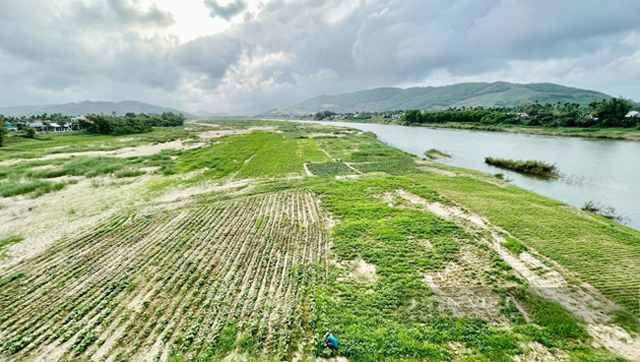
247 56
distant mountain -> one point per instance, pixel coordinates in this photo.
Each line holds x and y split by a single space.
208 114
86 107
457 95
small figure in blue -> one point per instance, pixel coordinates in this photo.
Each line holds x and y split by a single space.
330 341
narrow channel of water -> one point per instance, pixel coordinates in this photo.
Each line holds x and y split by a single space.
606 172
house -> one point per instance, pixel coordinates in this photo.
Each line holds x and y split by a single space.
56 127
634 114
38 125
11 127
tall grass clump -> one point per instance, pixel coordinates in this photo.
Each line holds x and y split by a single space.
530 166
434 153
608 212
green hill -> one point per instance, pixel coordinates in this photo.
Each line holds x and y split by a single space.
86 107
457 95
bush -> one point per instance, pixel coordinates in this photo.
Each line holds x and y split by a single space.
533 167
29 132
129 124
3 133
434 153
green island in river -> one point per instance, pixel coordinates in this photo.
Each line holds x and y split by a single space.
248 240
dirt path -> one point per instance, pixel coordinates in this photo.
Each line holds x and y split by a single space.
306 169
328 155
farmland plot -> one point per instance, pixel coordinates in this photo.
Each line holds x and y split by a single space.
236 275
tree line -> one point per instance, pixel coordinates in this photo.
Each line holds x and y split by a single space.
607 113
97 123
130 123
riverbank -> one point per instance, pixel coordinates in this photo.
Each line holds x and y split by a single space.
629 134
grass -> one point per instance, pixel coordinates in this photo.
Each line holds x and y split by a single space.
56 143
128 173
36 177
330 169
4 244
258 273
530 167
514 245
583 246
392 166
38 188
434 154
282 157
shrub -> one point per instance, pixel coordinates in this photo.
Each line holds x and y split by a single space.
29 132
433 154
3 132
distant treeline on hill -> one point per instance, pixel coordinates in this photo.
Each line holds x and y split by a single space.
614 112
130 123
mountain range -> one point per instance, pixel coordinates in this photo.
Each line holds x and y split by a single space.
86 107
435 98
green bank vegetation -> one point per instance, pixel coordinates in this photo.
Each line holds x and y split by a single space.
599 119
533 167
434 154
607 212
131 123
262 271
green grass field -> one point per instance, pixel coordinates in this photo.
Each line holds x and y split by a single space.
230 251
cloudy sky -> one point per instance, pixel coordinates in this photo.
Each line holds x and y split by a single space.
247 55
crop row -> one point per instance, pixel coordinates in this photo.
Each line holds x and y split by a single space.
202 281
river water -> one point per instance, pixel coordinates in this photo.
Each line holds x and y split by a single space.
606 172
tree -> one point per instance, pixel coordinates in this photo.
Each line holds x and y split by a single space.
3 130
412 116
612 113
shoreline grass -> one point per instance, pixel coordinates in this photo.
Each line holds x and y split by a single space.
434 154
533 167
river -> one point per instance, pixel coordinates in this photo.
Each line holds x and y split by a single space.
606 172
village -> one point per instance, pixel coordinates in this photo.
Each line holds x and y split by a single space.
57 123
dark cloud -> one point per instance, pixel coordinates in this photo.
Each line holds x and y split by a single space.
210 56
286 51
87 47
225 11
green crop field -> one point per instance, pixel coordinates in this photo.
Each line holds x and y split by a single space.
330 168
211 242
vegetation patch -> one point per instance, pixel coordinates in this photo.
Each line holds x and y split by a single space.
4 244
37 188
434 154
607 212
392 165
330 169
531 167
514 245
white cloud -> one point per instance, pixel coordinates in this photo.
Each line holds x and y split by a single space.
260 54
